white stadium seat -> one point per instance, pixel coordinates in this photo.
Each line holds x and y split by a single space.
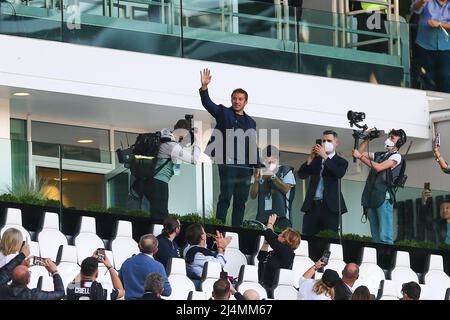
436 277
13 219
284 289
336 260
248 279
67 264
181 285
123 245
402 272
211 273
235 258
390 290
370 274
50 238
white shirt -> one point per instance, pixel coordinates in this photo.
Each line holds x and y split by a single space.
5 259
289 178
305 291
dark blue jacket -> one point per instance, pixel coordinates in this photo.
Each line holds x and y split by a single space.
134 271
166 249
226 119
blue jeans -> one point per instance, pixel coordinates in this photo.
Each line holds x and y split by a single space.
382 223
447 239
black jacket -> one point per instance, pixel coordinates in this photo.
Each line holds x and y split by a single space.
342 292
24 293
334 169
7 269
270 262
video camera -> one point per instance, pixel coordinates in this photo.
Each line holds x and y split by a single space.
354 118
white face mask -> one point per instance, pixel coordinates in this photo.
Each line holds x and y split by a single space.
329 147
272 167
389 144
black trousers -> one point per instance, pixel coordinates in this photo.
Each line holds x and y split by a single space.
234 182
319 218
157 193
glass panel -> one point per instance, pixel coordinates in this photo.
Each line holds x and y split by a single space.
19 152
80 143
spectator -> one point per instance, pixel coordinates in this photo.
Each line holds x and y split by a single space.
378 197
282 255
322 289
251 294
134 270
411 291
325 167
167 247
343 291
153 286
223 289
10 245
432 42
6 270
18 289
272 187
234 166
171 153
361 293
87 288
196 253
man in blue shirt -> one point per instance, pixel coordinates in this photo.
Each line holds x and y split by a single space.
433 44
234 131
167 247
135 269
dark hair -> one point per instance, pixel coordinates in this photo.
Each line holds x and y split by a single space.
154 283
330 132
170 225
412 290
271 151
89 266
401 134
194 233
182 124
361 293
240 90
221 289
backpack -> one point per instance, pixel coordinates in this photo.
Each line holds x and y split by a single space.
399 177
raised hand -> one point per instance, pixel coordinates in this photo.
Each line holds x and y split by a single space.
205 78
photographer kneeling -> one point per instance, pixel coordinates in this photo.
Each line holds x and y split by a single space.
379 195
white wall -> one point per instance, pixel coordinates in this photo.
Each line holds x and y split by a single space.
5 146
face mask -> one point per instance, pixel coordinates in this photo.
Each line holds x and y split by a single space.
389 144
272 167
329 147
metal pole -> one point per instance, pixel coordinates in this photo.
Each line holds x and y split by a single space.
203 191
339 211
60 182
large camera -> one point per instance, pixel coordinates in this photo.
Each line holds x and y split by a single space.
355 118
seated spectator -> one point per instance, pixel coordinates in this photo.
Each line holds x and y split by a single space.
322 289
251 294
196 253
167 247
153 286
343 291
223 289
6 270
134 270
411 291
10 245
361 293
282 255
87 288
18 289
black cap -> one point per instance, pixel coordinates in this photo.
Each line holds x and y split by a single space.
412 290
331 278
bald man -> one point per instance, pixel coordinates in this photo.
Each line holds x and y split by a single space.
135 269
18 290
344 290
251 294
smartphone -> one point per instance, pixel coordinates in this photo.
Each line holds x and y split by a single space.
437 142
325 256
319 141
38 261
426 186
223 275
101 254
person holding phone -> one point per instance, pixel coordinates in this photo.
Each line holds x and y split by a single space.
321 289
325 167
439 158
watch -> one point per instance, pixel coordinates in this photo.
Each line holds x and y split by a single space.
273 177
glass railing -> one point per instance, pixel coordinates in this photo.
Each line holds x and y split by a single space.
199 193
248 33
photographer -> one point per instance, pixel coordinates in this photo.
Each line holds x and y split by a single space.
171 153
379 195
321 203
440 160
272 187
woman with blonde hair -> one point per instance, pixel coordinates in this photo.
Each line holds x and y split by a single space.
282 255
321 289
10 245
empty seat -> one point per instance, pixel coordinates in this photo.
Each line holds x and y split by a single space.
50 238
123 245
197 295
284 282
370 274
389 290
36 273
248 279
336 260
402 271
87 240
302 262
13 219
211 273
235 258
436 277
426 292
34 249
157 229
67 262
180 283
